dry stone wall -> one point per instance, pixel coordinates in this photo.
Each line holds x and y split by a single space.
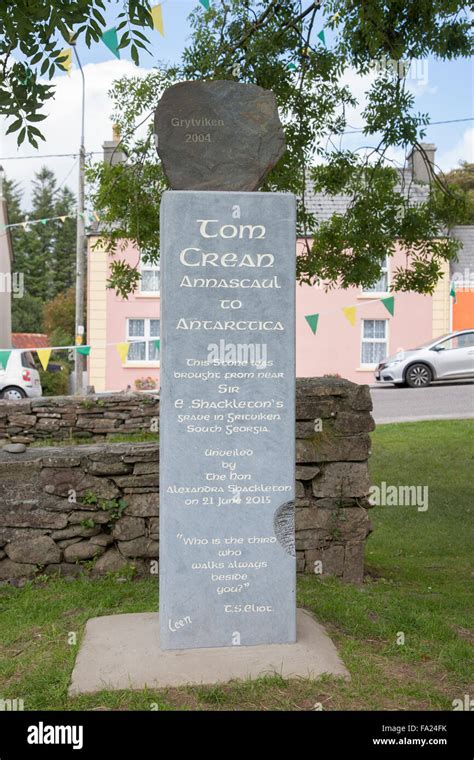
95 507
93 418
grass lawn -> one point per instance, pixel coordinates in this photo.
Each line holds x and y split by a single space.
418 583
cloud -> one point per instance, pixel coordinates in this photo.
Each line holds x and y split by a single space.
463 150
62 128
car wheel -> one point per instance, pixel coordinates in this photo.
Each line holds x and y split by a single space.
13 393
418 376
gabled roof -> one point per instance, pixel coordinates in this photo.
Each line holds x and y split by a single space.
324 206
30 340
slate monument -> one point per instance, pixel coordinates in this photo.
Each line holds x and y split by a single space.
227 557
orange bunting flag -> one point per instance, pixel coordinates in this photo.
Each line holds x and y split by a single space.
350 314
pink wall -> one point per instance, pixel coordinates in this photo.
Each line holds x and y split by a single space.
335 349
119 376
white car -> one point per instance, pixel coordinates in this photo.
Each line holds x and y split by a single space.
449 357
20 379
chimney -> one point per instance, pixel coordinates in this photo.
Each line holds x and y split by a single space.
112 153
417 163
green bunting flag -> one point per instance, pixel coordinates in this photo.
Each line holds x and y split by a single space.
158 344
4 357
312 320
205 3
83 350
452 293
110 40
322 37
389 304
28 75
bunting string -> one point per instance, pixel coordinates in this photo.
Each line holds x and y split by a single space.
123 347
44 353
88 216
350 312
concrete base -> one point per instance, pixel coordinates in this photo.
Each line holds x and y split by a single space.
123 652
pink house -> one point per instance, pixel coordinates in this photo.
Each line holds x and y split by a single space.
353 351
113 320
338 347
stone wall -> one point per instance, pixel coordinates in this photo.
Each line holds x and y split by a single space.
92 418
73 504
60 507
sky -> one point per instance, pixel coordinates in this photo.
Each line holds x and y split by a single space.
443 89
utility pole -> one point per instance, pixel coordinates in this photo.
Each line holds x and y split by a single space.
80 248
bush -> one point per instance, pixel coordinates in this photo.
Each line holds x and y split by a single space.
60 313
55 383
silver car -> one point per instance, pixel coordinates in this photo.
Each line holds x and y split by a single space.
449 357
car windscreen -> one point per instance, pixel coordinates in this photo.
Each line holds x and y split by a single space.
27 360
431 342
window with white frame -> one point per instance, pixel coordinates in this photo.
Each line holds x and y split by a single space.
143 334
381 286
150 277
374 346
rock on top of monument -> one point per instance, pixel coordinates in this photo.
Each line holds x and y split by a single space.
218 135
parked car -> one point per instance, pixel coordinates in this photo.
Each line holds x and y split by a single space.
449 357
20 379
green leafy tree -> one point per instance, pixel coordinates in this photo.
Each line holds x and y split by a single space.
63 264
32 37
27 313
59 318
276 45
37 258
43 253
462 179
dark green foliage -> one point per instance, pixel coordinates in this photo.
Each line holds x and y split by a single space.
38 31
27 314
275 45
43 253
461 184
55 383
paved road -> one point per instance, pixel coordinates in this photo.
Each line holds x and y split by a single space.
437 402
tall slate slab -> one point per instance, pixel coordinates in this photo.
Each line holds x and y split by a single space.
227 558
